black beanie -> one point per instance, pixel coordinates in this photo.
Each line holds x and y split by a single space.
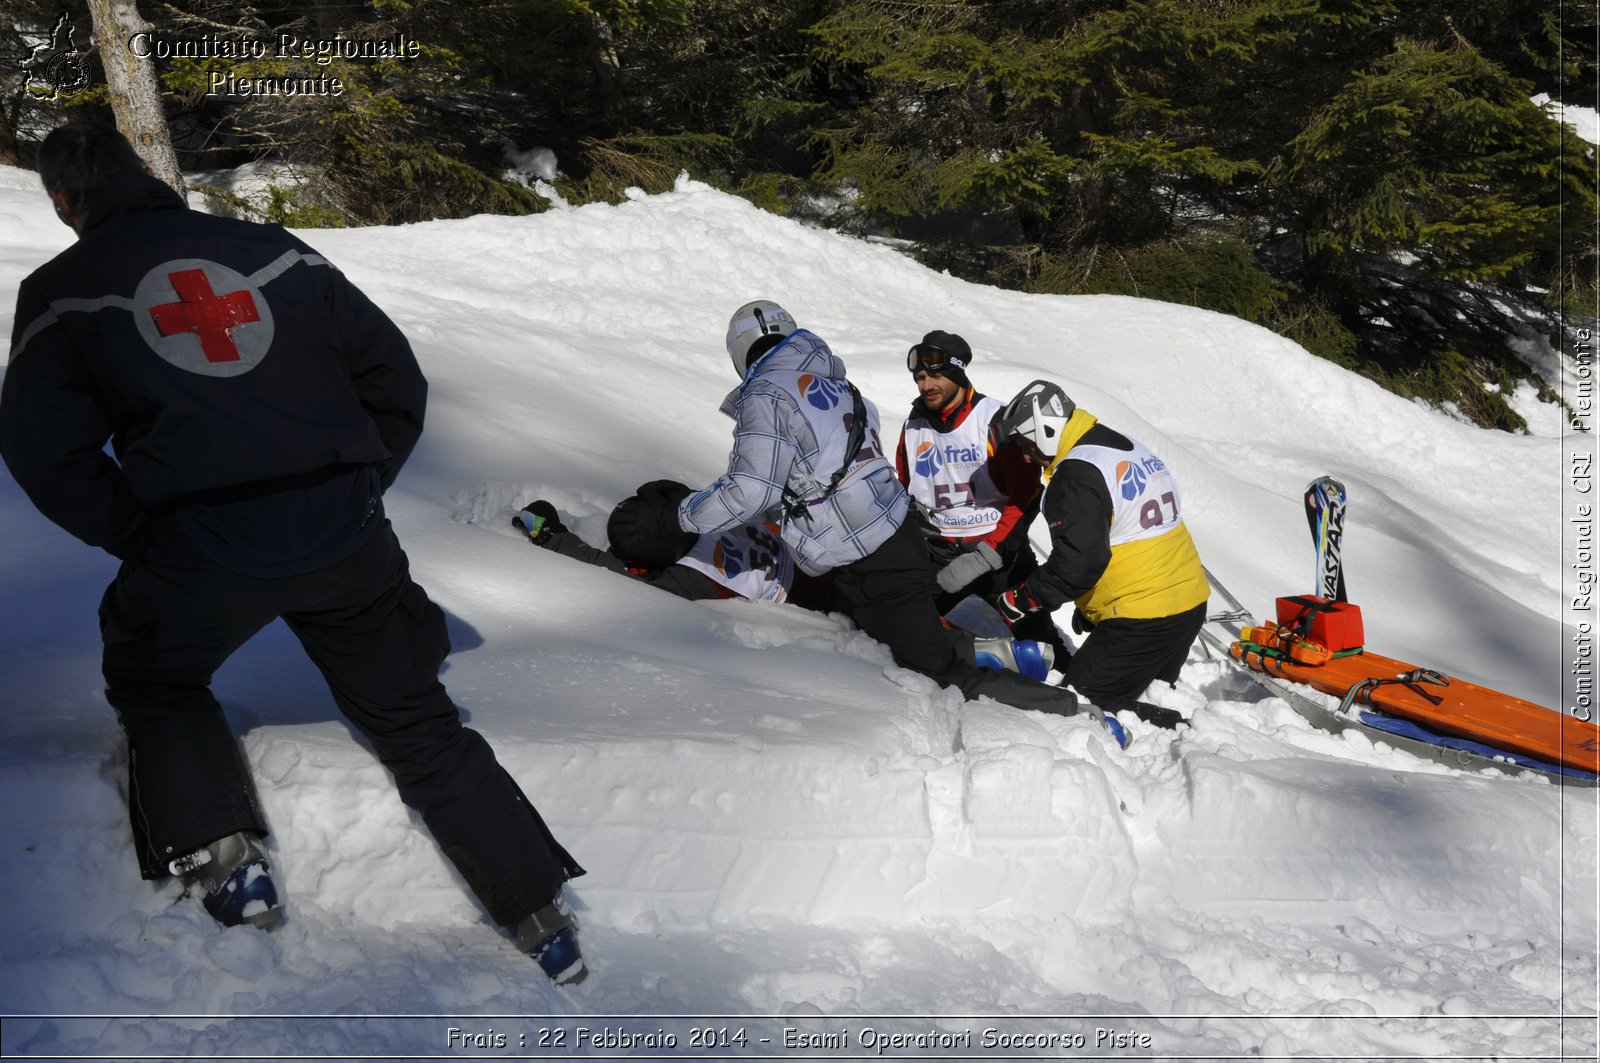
960 354
951 344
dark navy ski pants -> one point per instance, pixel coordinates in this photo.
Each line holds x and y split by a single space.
172 617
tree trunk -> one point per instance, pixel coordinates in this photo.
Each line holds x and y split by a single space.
131 81
607 68
10 150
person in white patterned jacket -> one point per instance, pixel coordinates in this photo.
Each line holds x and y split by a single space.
807 453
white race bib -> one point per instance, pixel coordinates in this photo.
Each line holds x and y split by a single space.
1144 495
950 473
752 562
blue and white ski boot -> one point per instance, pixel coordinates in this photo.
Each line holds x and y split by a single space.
236 878
550 936
1029 659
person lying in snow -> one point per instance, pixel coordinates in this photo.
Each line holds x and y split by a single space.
747 562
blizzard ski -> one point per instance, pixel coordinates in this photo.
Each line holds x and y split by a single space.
1325 504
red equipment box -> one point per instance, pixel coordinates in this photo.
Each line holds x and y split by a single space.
1333 625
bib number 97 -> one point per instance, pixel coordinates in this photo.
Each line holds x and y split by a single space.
1153 515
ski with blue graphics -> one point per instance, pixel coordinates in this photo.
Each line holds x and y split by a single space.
1326 499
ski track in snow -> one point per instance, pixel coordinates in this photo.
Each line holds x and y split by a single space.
779 824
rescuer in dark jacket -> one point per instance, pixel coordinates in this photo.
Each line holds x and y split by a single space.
1119 550
257 405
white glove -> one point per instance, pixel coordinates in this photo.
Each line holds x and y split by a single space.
968 567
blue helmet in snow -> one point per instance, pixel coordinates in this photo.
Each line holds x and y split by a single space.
756 328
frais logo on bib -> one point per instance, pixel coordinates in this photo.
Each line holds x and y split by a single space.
821 392
1131 479
964 455
728 556
1132 476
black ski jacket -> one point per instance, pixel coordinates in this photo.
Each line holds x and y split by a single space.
1077 511
1153 577
245 386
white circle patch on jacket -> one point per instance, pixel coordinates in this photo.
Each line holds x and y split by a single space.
203 317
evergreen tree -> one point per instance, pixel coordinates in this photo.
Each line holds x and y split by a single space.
1370 177
1428 198
1358 173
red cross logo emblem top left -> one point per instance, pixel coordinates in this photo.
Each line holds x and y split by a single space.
203 317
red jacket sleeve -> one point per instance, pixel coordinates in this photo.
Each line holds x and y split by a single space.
1019 481
900 465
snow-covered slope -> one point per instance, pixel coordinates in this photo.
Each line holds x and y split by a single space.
777 822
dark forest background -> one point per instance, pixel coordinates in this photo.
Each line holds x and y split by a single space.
1367 177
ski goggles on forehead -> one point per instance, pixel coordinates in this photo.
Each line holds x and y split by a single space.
932 359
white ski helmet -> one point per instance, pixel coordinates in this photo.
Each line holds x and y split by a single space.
752 322
1037 417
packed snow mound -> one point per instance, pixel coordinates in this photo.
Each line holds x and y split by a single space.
776 821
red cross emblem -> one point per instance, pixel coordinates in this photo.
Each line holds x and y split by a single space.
206 314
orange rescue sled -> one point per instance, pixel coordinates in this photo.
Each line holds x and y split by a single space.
1441 703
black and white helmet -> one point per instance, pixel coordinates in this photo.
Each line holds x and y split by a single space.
1037 417
753 322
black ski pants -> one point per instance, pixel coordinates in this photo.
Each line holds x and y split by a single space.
681 580
1121 656
807 592
886 593
172 617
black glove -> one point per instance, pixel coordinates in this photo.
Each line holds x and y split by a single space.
1081 624
919 516
1157 716
644 529
1015 604
942 551
540 520
1154 715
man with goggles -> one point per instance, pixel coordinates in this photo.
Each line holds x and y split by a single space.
934 359
977 497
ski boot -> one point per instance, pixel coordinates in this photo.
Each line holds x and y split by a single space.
236 878
1030 659
1118 732
1107 719
550 936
